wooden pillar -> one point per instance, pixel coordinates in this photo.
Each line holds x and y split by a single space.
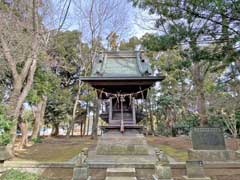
133 111
122 120
110 111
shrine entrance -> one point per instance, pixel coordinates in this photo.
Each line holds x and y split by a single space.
122 79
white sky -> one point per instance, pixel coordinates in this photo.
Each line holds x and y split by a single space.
140 22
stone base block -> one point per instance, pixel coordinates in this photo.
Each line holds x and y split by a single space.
116 143
201 178
163 172
211 155
80 173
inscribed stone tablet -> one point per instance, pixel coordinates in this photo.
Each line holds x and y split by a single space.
208 139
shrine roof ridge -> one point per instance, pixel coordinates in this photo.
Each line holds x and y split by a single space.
121 63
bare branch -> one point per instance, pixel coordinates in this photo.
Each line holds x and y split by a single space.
7 53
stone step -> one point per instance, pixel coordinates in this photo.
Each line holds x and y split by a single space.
121 178
120 123
119 120
121 172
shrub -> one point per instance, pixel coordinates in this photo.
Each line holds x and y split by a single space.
5 127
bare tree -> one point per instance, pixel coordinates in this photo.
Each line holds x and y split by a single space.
19 40
230 121
96 20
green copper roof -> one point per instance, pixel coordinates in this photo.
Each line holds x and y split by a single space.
121 64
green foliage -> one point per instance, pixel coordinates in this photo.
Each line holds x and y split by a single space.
65 49
18 175
189 121
194 44
45 83
216 121
184 23
5 127
155 42
59 105
28 115
130 44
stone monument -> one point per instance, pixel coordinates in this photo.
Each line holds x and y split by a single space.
209 145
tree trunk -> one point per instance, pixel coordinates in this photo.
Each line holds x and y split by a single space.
55 130
37 121
39 117
151 118
71 124
24 130
95 120
85 120
88 118
81 129
198 79
84 125
201 104
70 128
45 98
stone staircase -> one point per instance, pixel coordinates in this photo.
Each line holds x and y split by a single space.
127 118
121 174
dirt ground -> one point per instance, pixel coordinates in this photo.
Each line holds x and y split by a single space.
60 149
176 147
184 142
55 149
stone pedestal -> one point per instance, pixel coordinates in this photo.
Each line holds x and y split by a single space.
80 173
116 143
162 173
195 171
211 155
